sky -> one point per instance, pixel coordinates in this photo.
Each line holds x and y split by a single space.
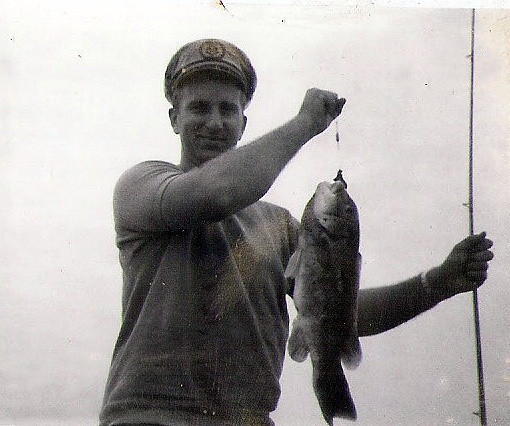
82 100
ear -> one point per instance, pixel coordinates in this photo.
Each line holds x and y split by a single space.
245 120
174 119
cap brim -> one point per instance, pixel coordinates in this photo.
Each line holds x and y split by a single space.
222 68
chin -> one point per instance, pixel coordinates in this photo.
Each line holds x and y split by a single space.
207 156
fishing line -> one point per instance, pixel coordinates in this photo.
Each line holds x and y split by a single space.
476 311
337 135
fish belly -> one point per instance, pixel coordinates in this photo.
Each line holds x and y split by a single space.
326 327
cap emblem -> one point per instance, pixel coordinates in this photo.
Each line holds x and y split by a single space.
211 49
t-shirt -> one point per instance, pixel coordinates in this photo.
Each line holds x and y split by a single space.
205 319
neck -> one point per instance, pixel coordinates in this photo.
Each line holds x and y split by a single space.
185 165
187 162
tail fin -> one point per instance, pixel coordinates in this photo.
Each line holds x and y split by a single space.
332 391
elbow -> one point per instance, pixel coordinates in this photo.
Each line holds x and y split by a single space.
225 202
202 205
228 197
222 201
205 198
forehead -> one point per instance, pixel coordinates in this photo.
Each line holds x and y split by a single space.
211 88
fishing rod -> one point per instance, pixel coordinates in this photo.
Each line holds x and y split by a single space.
476 311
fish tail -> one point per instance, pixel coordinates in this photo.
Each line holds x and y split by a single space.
298 349
332 391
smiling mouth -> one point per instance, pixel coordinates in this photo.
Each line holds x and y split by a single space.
211 140
213 143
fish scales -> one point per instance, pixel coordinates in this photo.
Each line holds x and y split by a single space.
326 271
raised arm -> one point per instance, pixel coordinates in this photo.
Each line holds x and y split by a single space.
381 309
241 176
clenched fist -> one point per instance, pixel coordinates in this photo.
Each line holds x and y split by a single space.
320 108
465 268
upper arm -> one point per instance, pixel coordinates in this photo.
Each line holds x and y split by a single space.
138 196
193 198
156 196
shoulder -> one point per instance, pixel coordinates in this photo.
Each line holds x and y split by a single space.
148 169
146 174
137 193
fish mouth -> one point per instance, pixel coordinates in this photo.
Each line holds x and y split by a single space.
335 210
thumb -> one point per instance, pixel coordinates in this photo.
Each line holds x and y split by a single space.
340 105
334 107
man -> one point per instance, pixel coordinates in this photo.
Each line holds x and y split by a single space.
204 322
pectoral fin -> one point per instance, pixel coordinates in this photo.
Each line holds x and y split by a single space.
298 349
351 353
293 265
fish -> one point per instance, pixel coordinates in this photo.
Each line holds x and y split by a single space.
326 271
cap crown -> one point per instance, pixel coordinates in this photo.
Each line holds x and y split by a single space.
210 55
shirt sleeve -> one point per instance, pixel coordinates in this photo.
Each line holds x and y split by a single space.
138 196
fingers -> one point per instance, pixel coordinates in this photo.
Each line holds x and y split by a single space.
322 107
481 256
470 259
478 259
477 277
331 103
468 242
474 243
477 266
476 272
480 242
339 106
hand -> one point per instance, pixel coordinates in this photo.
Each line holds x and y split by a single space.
320 107
465 268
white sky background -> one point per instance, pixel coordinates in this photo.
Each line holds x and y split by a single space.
82 100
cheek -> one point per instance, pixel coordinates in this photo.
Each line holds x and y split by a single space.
190 125
239 128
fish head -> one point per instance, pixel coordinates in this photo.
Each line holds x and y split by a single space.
335 210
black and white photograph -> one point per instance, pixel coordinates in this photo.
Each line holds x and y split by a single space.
282 213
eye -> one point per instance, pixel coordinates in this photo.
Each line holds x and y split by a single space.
229 109
198 107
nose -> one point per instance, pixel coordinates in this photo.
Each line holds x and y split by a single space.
215 121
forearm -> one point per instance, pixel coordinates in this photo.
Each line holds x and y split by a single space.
464 270
383 308
245 174
238 177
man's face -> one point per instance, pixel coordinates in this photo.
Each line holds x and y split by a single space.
209 119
